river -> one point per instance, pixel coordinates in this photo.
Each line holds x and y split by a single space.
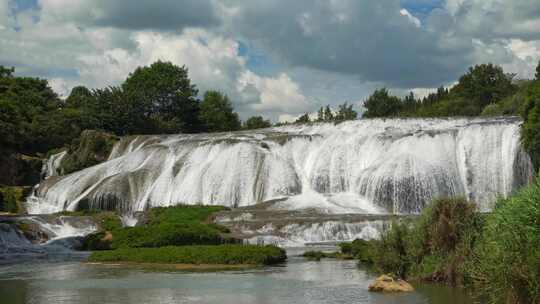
296 281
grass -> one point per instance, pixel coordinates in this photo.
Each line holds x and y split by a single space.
506 264
165 226
214 255
174 226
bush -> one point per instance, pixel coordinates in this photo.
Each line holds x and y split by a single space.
11 199
434 247
225 254
507 265
359 249
167 235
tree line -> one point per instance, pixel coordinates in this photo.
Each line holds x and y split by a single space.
155 99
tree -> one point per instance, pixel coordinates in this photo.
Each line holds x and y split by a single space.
256 122
328 115
320 115
484 84
163 93
345 112
537 75
80 96
217 113
382 104
530 131
303 119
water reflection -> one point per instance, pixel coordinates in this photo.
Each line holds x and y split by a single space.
299 281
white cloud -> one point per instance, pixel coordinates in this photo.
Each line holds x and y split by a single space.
411 18
277 94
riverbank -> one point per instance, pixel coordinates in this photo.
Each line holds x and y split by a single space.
495 255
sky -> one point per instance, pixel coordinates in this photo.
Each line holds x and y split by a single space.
275 58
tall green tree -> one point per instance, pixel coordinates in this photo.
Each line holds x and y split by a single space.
530 131
484 84
382 104
163 93
256 122
80 96
303 119
328 114
217 113
537 75
345 112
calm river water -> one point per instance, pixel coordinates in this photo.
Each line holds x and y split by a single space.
297 281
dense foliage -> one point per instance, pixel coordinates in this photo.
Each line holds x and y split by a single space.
11 199
506 265
494 254
217 113
216 255
256 122
482 86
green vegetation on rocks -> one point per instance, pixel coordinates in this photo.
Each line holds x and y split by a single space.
223 254
91 148
176 235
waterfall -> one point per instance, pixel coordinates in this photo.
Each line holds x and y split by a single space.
51 165
364 166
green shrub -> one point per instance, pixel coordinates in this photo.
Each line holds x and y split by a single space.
224 254
433 247
167 235
11 199
391 252
507 264
359 249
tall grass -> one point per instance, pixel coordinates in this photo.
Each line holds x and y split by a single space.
506 266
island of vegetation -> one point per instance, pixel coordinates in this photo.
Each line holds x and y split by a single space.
182 237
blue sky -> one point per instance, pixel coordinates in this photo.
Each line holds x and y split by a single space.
274 58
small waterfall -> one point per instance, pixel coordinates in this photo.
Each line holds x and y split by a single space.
365 166
44 237
302 234
51 166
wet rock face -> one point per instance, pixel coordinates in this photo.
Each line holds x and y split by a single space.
386 283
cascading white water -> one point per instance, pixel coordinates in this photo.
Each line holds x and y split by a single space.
298 235
363 166
52 164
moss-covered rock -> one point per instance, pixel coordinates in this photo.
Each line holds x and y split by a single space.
91 148
19 169
12 198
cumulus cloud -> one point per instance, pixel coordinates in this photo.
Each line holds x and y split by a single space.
309 53
277 94
213 62
370 39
